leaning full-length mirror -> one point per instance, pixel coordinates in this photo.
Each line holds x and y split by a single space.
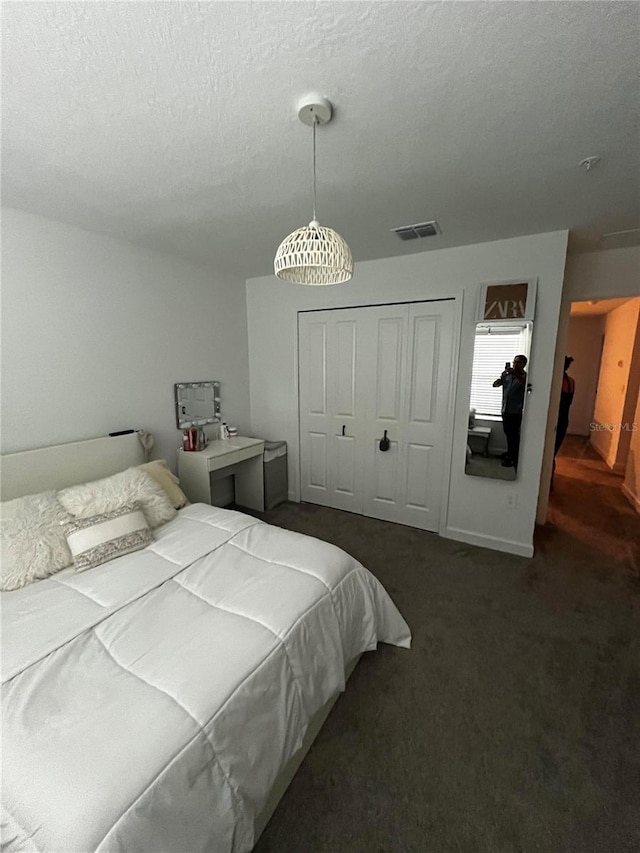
499 391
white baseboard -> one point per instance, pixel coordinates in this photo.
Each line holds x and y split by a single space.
507 546
634 500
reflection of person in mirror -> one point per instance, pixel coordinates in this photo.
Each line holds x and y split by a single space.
513 381
566 399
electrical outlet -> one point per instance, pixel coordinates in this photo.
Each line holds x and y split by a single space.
512 500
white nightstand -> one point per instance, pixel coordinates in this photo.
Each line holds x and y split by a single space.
240 457
483 433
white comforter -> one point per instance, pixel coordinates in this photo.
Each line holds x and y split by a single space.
148 704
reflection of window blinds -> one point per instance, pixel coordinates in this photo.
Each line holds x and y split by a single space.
494 346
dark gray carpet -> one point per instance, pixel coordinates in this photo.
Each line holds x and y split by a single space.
513 723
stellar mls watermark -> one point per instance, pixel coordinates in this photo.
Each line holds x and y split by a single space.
627 427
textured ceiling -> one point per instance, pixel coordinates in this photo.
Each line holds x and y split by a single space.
173 124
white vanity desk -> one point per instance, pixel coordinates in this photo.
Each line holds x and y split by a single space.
240 457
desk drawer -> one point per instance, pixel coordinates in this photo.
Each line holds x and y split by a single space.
233 457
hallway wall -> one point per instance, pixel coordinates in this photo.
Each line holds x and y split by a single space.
584 338
631 485
618 385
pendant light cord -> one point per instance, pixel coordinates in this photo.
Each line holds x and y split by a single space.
315 121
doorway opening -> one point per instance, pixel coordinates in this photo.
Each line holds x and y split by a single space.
595 488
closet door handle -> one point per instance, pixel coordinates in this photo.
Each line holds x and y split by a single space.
384 442
343 428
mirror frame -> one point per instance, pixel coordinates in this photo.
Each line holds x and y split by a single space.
514 307
215 417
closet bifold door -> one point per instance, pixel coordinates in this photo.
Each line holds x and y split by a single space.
382 359
374 387
329 428
409 399
426 417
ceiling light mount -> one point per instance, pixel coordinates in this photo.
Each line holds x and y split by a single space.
314 109
314 254
589 162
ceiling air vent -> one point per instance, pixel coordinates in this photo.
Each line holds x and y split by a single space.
421 229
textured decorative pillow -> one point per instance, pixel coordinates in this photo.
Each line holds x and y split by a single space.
33 542
159 472
96 540
123 489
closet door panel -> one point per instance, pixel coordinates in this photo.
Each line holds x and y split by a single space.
316 352
383 356
424 355
315 422
388 379
385 478
318 467
343 384
417 479
345 369
429 386
345 466
330 424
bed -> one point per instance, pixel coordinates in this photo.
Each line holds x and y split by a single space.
161 701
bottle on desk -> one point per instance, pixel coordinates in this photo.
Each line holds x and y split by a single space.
190 439
224 431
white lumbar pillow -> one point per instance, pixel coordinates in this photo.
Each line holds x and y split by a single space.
101 538
124 489
32 539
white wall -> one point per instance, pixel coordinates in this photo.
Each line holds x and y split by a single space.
584 340
95 332
477 510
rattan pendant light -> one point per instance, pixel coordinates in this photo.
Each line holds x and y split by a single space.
314 254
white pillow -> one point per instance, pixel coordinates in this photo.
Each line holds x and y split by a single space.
123 489
96 540
32 539
159 472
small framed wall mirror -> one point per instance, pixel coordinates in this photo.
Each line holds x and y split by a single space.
499 379
197 403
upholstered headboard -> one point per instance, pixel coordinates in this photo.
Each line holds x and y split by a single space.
33 471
